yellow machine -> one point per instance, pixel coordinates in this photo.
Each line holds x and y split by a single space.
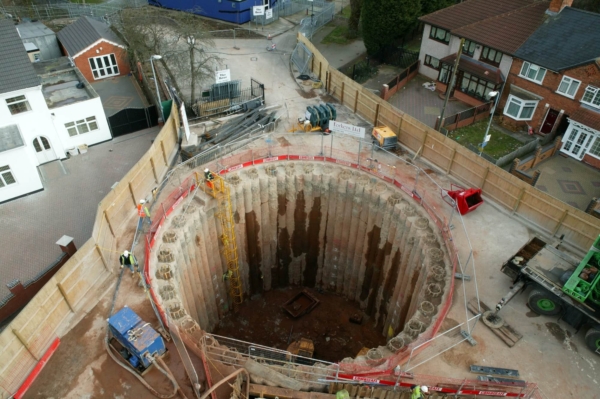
219 190
304 125
303 347
384 137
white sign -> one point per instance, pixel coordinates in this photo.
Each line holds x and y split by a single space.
258 10
186 127
487 138
223 76
269 14
344 128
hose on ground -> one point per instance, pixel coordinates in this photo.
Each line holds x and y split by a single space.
126 367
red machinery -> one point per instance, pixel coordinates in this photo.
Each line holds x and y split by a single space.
467 199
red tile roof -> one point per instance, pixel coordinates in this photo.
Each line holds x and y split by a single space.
501 24
477 68
587 117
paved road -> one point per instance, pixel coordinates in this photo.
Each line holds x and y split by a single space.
30 226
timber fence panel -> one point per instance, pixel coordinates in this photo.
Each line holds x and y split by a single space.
545 214
16 362
412 133
82 274
438 149
36 326
578 228
467 169
500 186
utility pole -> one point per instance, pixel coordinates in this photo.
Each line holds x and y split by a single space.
451 83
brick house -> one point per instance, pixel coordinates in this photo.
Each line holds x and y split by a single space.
94 49
554 82
493 31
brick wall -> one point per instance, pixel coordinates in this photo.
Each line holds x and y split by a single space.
102 48
591 160
587 74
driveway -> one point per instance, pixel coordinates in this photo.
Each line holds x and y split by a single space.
30 226
119 93
424 104
569 180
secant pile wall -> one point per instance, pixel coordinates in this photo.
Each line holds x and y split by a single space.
311 224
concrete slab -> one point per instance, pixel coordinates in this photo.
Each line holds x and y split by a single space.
569 180
424 104
119 93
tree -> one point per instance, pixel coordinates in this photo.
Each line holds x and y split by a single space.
179 37
355 8
429 6
386 21
588 5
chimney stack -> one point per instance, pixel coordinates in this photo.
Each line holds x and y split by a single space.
557 5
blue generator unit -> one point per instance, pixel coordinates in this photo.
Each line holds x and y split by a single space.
134 339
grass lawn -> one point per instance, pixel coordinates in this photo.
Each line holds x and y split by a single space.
87 1
338 35
499 145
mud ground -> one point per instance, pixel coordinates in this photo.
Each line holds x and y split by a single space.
81 367
263 321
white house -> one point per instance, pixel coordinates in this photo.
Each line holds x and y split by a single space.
493 30
41 115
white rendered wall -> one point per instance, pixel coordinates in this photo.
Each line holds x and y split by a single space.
433 48
22 165
78 111
34 123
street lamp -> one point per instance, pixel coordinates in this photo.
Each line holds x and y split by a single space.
157 57
493 95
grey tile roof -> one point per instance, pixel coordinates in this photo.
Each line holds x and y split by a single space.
28 30
83 33
564 41
16 71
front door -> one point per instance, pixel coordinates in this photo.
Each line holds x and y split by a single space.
576 142
549 121
43 150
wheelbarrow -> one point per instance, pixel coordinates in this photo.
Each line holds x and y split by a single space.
466 199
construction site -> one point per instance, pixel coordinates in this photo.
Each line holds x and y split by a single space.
284 260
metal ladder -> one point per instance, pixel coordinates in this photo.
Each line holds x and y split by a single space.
220 191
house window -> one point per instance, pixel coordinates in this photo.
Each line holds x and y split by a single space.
432 62
591 96
568 86
519 109
6 176
491 56
439 34
19 104
445 73
82 126
532 72
476 87
104 66
595 149
469 48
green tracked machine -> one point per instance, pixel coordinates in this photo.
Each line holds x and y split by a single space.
562 285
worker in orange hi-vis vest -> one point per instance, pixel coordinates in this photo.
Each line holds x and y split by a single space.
209 178
143 213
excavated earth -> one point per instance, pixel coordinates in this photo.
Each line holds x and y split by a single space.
307 224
